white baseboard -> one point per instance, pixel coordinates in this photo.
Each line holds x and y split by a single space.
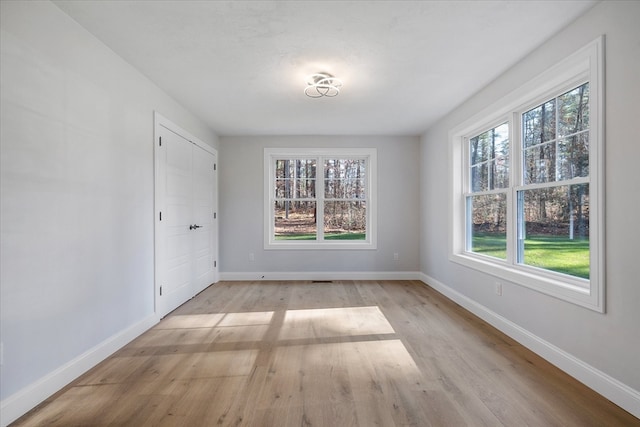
21 402
321 275
617 392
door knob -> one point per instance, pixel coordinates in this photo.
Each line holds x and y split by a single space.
194 227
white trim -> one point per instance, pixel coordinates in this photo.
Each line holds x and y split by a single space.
21 402
160 120
320 275
616 391
587 64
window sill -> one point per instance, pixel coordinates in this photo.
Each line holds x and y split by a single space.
288 245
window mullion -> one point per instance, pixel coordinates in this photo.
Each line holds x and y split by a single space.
320 198
272 197
515 171
517 203
557 141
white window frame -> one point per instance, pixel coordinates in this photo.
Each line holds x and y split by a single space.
273 154
585 65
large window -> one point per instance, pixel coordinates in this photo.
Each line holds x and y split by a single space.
528 200
320 198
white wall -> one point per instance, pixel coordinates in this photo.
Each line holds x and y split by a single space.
77 197
242 199
610 343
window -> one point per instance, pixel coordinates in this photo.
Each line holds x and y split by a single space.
487 196
553 199
320 199
527 190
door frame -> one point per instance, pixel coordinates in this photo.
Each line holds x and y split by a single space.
159 121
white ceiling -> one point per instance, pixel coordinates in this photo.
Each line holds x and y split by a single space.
241 65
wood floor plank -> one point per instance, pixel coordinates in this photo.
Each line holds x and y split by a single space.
343 353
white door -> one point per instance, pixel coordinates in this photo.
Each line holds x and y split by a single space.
186 230
177 261
203 217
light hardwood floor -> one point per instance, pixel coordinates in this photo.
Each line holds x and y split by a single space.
347 353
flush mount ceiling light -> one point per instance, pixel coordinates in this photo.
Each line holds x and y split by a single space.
322 84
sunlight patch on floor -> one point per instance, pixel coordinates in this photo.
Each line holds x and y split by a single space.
334 322
247 319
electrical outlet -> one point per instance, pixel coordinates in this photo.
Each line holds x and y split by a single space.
396 257
252 257
498 288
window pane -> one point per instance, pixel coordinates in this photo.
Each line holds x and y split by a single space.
479 146
499 152
489 145
305 188
295 179
344 189
500 172
283 188
489 159
295 220
500 141
480 177
345 220
539 124
555 235
540 164
281 167
344 168
488 216
295 189
295 168
573 156
344 178
573 110
306 168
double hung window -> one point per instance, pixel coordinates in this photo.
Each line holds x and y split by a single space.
488 171
553 198
527 190
319 199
